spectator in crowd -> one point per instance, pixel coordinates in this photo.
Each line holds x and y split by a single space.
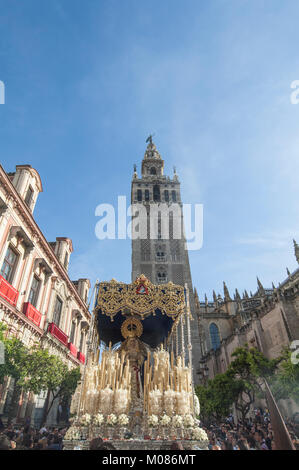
5 443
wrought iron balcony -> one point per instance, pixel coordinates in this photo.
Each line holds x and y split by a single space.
81 357
31 312
73 349
161 259
8 292
58 333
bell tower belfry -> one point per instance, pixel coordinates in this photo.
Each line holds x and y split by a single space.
164 257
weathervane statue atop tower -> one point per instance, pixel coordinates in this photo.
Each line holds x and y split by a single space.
150 139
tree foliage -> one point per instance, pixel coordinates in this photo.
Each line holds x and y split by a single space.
238 385
14 356
249 367
37 370
285 384
217 397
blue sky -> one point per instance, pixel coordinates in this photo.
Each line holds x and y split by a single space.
87 81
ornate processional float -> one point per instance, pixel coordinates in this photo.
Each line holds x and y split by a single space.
139 385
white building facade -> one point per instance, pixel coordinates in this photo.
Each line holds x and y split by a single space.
38 301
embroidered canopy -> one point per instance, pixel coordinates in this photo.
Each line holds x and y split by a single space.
159 307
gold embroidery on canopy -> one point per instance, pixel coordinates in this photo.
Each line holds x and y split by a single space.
114 296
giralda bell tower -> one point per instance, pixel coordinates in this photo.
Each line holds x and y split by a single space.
162 257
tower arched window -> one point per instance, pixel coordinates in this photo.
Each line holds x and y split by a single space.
146 195
215 336
173 195
166 195
161 276
160 253
153 171
157 193
139 195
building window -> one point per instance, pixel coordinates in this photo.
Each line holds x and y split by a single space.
57 311
34 291
146 195
81 341
72 334
161 277
157 193
160 254
173 195
139 195
166 195
153 171
29 197
9 265
215 337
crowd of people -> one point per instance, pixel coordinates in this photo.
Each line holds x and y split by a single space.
254 433
29 438
251 434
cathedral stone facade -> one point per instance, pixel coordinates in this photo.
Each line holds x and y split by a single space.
160 252
267 320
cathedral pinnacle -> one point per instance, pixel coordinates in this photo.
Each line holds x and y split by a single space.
226 292
246 294
175 176
237 295
296 248
196 299
260 286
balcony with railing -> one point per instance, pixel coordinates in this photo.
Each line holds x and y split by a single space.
73 349
8 292
162 280
58 333
161 259
32 313
81 357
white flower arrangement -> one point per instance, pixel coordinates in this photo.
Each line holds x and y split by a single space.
111 419
199 434
72 434
85 420
98 419
177 421
123 419
153 420
188 421
165 420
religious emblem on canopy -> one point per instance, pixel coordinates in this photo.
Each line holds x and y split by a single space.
141 289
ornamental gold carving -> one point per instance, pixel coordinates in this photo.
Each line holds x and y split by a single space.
114 296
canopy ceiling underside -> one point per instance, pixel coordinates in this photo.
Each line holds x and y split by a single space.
156 328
